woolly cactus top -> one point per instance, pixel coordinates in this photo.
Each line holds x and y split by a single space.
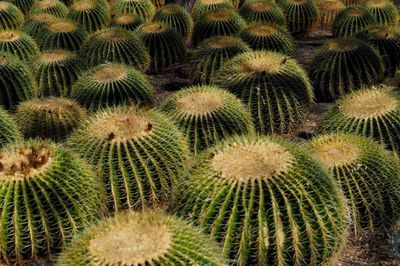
43 17
9 36
62 26
83 5
261 29
171 9
211 2
355 11
110 73
154 27
200 103
260 6
126 19
381 32
4 5
52 105
54 56
297 2
112 35
222 41
343 45
255 63
220 15
330 5
376 3
44 4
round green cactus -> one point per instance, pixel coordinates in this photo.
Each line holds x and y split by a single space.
142 238
142 8
24 5
222 22
267 201
92 15
115 45
352 20
164 44
11 18
274 87
368 175
301 15
209 56
343 65
47 195
111 85
126 22
49 118
371 112
16 83
18 43
9 131
139 155
262 11
56 71
207 115
384 11
176 17
53 7
269 37
201 7
62 34
328 10
36 25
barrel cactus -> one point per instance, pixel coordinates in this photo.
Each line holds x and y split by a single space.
274 87
264 11
209 56
142 238
221 22
8 129
115 45
203 6
267 201
352 20
24 5
158 3
164 44
36 25
139 155
48 195
18 43
111 85
177 18
368 175
53 7
127 22
269 37
92 15
16 83
384 11
49 118
343 65
142 8
11 18
328 10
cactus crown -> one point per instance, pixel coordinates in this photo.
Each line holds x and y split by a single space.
222 41
83 5
110 73
220 15
262 29
382 32
43 18
126 19
171 9
154 27
331 5
54 56
260 6
62 26
200 103
9 36
4 5
211 2
268 63
376 3
343 45
43 4
355 11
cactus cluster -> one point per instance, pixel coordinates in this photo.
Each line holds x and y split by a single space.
126 22
53 7
328 10
8 129
262 11
92 15
19 44
176 17
142 8
11 18
352 20
203 6
36 25
384 11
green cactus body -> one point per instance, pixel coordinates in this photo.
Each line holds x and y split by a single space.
47 196
269 37
143 8
343 65
127 22
201 7
139 155
368 175
328 10
36 25
11 18
273 86
117 46
142 238
176 17
19 44
263 11
267 201
207 115
384 11
24 5
210 55
92 15
8 129
301 15
111 85
352 20
164 44
49 118
222 22
53 7
16 83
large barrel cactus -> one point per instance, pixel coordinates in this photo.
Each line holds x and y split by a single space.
11 18
139 155
274 87
8 129
92 15
267 201
176 17
53 7
24 5
47 195
142 238
143 8
328 10
264 11
203 6
36 25
384 11
126 21
19 44
301 15
352 20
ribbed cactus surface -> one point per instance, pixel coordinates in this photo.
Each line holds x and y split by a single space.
11 17
19 44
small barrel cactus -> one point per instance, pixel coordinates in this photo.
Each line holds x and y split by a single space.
352 20
36 25
53 7
384 11
301 15
328 10
142 8
164 44
48 195
368 175
49 118
92 15
274 87
176 17
209 56
264 11
9 131
115 45
16 83
221 22
111 85
372 112
139 155
142 238
127 22
207 114
267 201
343 65
269 37
19 44
203 6
11 18
24 5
